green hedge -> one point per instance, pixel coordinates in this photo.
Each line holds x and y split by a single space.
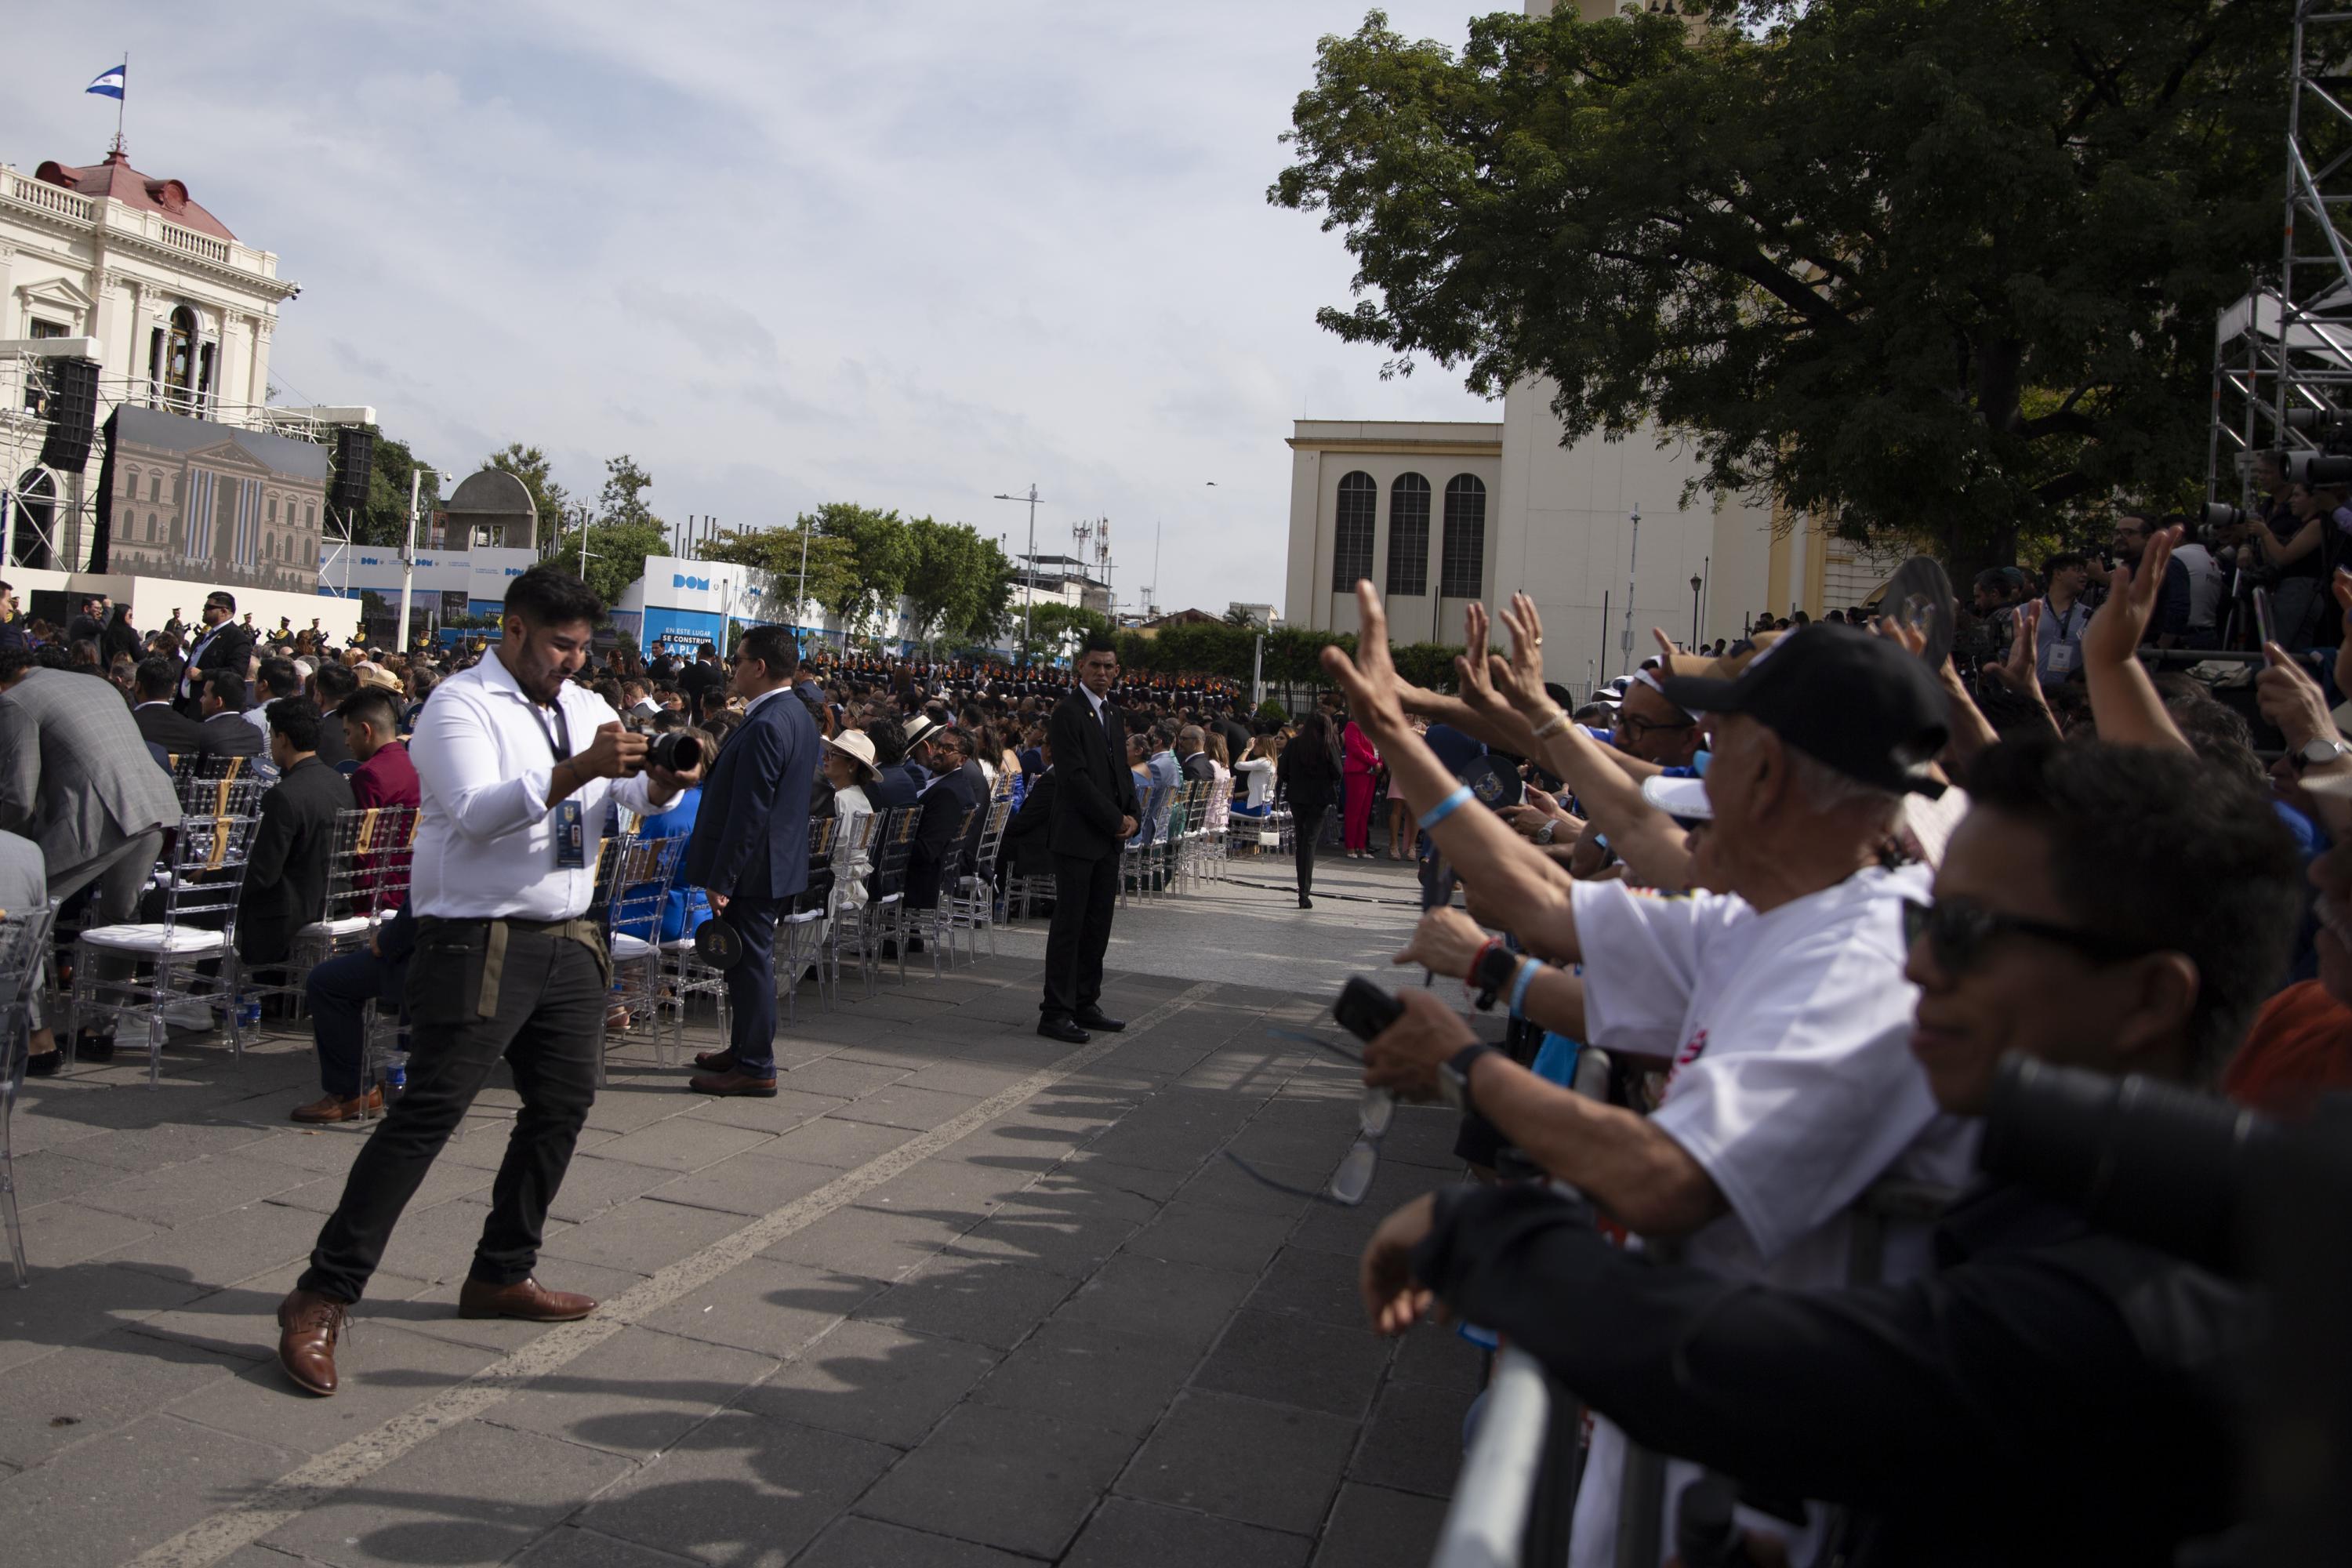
1293 655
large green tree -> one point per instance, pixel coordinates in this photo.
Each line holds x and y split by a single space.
1925 268
831 562
384 523
958 585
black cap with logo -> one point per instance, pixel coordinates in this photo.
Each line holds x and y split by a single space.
1856 702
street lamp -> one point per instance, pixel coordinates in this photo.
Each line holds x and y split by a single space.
408 550
1694 632
1029 602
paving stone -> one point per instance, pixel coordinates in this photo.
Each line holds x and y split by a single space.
842 1079
1071 1244
878 1244
235 1245
86 1391
748 1184
829 1141
1221 1184
1004 1478
1090 1374
1125 1533
1211 1237
979 1300
644 1234
854 1542
438 1243
64 1235
1090 1170
741 1489
684 1144
1423 1135
787 1110
167 1143
872 1381
1272 1465
1318 1285
592 1184
948 1188
569 1546
380 1371
445 1181
75 1305
476 1493
638 1392
1290 1139
1439 1356
626 1110
1374 1528
119 1494
958 1076
433 1311
1332 1227
1291 1359
49 1175
899 1106
175 1194
242 1319
1177 1302
1414 1441
770 1308
327 1150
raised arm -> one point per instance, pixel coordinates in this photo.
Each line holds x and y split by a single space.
1482 847
2124 702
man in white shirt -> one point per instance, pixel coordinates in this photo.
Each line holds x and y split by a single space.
516 768
1781 1004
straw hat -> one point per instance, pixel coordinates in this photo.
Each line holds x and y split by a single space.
854 745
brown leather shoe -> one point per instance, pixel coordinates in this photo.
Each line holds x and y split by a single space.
731 1082
308 1326
716 1061
334 1107
529 1300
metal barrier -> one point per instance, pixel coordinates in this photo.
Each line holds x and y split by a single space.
1488 1519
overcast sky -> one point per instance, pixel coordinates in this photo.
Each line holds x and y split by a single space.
907 255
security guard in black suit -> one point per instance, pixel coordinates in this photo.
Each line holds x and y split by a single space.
1095 814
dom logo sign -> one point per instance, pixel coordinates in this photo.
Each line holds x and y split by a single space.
681 579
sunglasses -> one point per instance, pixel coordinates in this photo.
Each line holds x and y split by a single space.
1636 726
1352 1180
1958 932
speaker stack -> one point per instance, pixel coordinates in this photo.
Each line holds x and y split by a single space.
354 461
73 415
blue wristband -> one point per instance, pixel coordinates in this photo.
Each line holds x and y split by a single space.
1445 808
1526 977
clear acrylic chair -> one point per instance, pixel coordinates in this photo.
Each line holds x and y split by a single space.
801 925
970 904
639 888
876 920
185 961
367 873
935 926
23 949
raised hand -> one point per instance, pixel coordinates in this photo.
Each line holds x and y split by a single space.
2017 671
1375 692
2116 631
1667 646
1470 666
1520 677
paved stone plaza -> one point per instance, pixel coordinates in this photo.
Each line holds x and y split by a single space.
959 1296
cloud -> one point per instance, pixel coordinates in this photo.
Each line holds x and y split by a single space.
905 253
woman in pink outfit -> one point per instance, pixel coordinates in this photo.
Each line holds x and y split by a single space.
1361 763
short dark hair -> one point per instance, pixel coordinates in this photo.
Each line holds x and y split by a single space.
227 688
373 706
155 677
277 676
2065 560
773 646
545 596
296 720
335 683
1098 642
2226 890
225 600
889 738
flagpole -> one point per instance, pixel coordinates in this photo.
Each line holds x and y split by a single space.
121 100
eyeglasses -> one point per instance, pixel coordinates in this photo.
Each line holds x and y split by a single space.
1352 1180
1638 726
1958 932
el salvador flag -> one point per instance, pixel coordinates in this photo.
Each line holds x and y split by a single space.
110 81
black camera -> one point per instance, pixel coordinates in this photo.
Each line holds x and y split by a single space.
675 749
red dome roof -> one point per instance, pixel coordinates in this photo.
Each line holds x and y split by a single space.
115 177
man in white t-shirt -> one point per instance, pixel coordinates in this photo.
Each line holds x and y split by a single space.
1781 1004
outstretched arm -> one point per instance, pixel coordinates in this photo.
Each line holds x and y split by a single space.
2124 702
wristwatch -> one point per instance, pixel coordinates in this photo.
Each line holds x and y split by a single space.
2320 751
1454 1077
1550 826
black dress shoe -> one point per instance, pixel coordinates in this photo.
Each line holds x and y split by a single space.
1095 1018
94 1048
1064 1030
44 1065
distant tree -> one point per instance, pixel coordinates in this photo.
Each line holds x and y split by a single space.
957 584
623 499
616 552
879 555
383 522
831 562
1052 625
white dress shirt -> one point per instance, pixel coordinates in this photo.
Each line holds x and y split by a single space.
485 830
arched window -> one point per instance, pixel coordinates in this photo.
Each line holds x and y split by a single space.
179 355
1351 547
1463 571
1409 536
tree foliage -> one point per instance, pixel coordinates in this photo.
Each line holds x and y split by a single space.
1923 267
958 585
384 523
623 500
616 552
530 465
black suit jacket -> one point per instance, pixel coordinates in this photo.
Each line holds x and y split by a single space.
228 647
230 735
1027 837
169 728
937 846
286 881
1093 788
334 748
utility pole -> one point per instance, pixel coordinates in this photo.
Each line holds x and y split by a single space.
1029 602
800 610
1633 560
408 556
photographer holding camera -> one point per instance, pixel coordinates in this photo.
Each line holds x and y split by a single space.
2052 1393
517 767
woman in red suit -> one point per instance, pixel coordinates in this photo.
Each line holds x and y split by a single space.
1361 763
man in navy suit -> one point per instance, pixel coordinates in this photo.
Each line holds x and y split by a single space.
750 850
1094 813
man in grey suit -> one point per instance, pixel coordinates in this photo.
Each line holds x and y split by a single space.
76 777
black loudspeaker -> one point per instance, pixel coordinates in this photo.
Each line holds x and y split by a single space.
354 461
72 413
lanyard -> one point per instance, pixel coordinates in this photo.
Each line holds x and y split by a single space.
2063 617
563 751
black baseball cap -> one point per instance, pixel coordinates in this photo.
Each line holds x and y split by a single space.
1852 700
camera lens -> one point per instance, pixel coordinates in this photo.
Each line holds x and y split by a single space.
676 751
2221 514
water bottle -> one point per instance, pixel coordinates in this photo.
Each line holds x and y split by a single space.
249 1012
395 1075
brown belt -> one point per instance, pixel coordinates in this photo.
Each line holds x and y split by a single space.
586 932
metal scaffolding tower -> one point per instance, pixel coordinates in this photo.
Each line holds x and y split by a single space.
2283 356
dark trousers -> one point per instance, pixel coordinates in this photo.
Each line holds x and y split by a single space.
751 985
549 1024
1085 893
338 992
1305 827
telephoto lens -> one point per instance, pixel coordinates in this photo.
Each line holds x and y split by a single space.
676 749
